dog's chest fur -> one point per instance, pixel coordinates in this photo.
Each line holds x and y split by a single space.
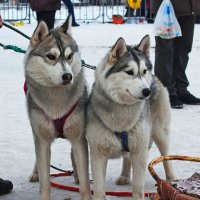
52 103
113 117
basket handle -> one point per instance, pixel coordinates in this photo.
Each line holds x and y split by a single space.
164 158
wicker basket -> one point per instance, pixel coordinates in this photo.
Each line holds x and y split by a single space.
165 190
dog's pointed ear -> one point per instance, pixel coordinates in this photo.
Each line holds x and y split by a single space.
39 34
67 26
144 45
117 51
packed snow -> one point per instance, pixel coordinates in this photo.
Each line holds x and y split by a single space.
17 154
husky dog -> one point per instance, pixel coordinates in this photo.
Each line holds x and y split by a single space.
56 101
127 110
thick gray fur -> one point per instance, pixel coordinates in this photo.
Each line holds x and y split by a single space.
49 97
117 103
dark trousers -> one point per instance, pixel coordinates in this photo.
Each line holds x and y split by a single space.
70 8
47 16
171 57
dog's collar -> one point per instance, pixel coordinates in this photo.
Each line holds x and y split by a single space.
123 136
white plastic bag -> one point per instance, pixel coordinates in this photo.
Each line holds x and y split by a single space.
166 25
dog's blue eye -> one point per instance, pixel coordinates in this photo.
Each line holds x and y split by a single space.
51 57
130 72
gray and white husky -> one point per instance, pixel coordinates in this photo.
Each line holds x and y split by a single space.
56 101
127 110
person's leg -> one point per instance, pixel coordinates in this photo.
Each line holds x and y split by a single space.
197 21
70 7
183 46
164 62
129 12
48 17
143 8
163 68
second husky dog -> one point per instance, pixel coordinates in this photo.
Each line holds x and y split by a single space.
56 99
128 108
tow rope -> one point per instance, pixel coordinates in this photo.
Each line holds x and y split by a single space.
150 195
19 50
12 47
16 30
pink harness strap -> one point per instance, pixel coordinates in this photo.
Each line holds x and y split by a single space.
25 87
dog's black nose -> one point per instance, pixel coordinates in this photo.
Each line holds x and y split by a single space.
67 77
146 92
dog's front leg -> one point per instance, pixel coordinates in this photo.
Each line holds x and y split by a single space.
139 164
75 173
98 166
34 177
80 151
42 149
124 178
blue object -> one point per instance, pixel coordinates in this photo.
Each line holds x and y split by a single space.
168 9
124 140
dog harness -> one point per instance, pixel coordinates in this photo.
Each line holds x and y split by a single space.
58 123
123 136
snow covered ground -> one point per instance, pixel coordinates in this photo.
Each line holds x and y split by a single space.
16 143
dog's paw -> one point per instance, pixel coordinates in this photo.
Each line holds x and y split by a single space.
34 177
122 180
86 196
76 179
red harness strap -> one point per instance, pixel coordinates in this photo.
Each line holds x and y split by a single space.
25 87
58 123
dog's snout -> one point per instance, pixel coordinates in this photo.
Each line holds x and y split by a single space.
67 77
146 92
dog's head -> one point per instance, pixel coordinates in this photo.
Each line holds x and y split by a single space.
125 72
52 58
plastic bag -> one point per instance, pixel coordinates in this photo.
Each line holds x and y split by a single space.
166 25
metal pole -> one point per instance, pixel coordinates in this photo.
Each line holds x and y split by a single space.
103 12
29 12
